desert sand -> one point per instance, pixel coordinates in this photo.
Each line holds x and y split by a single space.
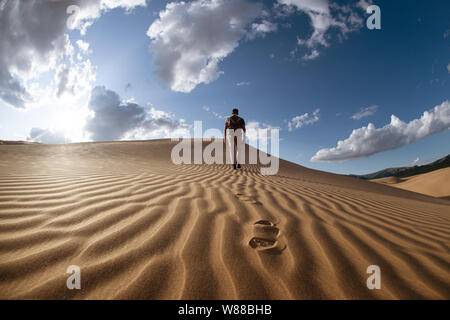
140 227
435 183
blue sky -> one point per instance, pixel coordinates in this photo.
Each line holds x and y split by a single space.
137 83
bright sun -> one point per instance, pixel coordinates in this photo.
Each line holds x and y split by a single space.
71 121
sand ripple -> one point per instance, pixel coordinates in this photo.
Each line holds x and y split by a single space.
142 228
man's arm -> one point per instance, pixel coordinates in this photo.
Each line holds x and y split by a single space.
225 131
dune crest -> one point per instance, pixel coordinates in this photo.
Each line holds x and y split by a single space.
140 227
435 183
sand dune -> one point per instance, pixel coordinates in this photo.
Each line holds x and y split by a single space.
435 183
140 227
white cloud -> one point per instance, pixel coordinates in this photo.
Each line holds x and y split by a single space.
252 128
90 10
159 114
76 78
262 28
46 136
363 4
366 141
215 114
62 79
83 46
190 39
324 17
243 83
318 6
415 162
365 112
114 119
252 131
304 119
218 115
33 40
448 68
311 56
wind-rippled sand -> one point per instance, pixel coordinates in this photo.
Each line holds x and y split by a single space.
435 183
140 227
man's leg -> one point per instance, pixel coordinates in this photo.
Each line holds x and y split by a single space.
235 151
240 146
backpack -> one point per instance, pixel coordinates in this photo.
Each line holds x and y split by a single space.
236 122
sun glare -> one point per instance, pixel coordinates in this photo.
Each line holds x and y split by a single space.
70 121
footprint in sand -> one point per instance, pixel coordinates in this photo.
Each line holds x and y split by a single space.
266 237
249 199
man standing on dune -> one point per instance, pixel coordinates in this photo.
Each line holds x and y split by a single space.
236 138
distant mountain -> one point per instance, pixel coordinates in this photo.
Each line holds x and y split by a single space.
9 142
407 171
